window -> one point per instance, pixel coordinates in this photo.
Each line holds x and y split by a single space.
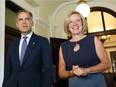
101 21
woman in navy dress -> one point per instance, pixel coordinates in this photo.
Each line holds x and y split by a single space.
83 58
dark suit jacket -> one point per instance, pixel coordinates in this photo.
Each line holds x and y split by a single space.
36 68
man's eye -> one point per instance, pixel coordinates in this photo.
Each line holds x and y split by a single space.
20 19
27 19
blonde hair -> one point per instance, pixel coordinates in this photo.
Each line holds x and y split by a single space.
67 20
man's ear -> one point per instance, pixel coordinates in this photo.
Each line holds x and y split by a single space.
17 25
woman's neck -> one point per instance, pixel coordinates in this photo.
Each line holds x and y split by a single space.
76 38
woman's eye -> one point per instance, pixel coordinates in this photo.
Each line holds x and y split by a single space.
78 20
70 22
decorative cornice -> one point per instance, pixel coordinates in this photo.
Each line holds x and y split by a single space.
41 23
33 3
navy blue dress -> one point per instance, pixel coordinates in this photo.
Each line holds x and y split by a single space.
85 57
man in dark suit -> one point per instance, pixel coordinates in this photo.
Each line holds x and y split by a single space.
35 69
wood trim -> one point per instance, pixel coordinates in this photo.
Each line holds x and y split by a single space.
103 9
109 32
106 47
12 31
12 6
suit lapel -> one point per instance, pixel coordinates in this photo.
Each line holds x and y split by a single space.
30 46
17 53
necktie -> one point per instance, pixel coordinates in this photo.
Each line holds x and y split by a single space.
23 49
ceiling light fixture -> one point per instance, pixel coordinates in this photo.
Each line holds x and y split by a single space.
83 8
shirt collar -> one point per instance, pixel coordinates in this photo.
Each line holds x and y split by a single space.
28 35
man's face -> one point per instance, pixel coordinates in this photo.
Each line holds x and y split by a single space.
24 22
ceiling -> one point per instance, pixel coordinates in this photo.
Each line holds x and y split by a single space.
49 6
46 8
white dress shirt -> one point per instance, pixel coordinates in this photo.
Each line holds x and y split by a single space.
21 41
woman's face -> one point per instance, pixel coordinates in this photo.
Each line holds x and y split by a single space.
75 24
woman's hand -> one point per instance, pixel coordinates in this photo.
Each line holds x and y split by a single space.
79 71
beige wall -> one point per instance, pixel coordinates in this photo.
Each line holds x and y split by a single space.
2 36
40 31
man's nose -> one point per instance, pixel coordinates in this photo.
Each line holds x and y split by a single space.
24 20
